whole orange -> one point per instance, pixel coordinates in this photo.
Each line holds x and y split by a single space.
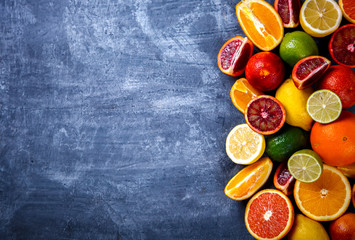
335 142
341 80
343 228
265 71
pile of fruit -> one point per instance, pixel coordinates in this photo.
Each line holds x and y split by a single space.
293 101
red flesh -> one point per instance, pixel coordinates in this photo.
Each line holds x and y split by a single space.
289 11
283 180
342 45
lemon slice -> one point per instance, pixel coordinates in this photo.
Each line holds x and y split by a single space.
324 106
244 146
305 165
320 18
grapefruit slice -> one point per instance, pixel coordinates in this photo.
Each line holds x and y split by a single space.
348 9
269 214
265 115
342 45
325 199
308 70
234 55
289 11
249 180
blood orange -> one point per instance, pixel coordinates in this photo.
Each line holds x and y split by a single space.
265 71
348 9
234 55
269 215
265 115
308 70
289 11
283 179
342 45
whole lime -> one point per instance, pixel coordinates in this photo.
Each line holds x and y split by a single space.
287 141
297 45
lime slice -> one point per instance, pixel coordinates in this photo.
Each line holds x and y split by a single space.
305 165
324 106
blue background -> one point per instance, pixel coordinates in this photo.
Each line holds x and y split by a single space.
113 120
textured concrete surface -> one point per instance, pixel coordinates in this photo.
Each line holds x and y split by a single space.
113 118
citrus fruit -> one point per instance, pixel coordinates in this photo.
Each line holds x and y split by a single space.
343 228
283 179
305 165
269 214
353 195
281 145
324 106
289 11
233 56
308 70
294 102
342 45
296 46
335 142
243 145
265 115
348 170
242 92
348 9
261 23
320 18
325 199
249 180
341 80
305 228
265 71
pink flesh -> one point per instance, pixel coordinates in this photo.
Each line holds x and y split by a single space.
288 9
228 53
344 46
264 114
284 175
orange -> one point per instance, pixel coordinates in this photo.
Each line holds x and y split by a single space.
269 215
348 9
242 92
325 199
343 228
348 170
249 180
335 142
261 23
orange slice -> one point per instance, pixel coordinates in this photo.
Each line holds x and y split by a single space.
261 23
325 199
249 180
269 215
242 92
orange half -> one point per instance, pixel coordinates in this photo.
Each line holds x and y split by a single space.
348 9
261 23
248 180
242 92
325 199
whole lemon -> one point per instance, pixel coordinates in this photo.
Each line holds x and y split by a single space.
305 228
295 104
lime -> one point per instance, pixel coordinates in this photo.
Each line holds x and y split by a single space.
280 146
305 165
324 106
297 45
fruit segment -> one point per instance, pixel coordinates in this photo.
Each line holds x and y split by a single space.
241 93
283 179
289 11
342 45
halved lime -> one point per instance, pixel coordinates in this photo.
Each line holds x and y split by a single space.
305 165
324 106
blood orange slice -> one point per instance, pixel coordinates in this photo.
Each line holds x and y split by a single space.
342 45
289 11
265 115
348 9
283 179
234 55
269 215
308 70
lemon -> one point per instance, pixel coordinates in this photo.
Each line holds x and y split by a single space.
297 45
305 228
295 104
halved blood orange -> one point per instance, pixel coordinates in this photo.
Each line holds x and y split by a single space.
265 115
242 92
269 214
249 180
348 9
289 11
234 55
308 70
342 45
261 23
